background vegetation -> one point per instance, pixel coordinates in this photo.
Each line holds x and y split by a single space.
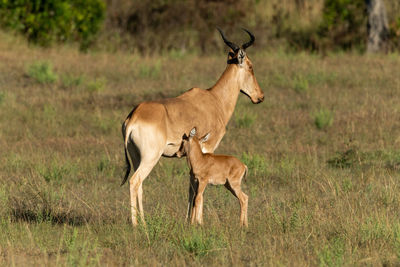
156 26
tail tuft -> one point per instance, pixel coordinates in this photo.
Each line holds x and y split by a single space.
127 162
127 168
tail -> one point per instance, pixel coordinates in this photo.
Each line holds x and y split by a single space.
127 161
126 137
245 172
127 168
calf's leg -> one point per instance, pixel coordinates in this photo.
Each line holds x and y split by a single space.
197 215
192 194
233 185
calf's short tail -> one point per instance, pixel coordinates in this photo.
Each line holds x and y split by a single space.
245 172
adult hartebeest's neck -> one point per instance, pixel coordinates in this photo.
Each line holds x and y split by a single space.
227 89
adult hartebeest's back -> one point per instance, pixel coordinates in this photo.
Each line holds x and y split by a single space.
154 129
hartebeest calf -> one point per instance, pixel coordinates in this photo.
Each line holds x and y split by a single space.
155 128
207 168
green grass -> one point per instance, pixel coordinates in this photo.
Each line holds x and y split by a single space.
323 195
255 163
71 81
42 72
96 85
245 119
300 84
149 71
2 97
200 243
332 254
323 119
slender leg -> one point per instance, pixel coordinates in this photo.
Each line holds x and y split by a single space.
243 200
193 185
136 188
193 215
139 197
235 189
198 206
133 192
135 158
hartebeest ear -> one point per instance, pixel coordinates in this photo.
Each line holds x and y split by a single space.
193 132
205 138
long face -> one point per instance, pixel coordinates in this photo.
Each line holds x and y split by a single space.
247 80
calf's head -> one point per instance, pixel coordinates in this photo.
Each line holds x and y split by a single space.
191 142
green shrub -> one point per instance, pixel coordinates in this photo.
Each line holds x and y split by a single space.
42 72
323 119
392 160
47 21
344 159
300 84
199 244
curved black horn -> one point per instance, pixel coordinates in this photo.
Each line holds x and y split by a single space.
249 43
234 47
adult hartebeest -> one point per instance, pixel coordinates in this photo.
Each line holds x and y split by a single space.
155 128
207 168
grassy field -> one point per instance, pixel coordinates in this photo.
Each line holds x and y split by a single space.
323 152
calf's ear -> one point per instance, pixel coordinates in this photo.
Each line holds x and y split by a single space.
193 132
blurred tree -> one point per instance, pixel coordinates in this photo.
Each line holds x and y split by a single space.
378 29
343 24
156 25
